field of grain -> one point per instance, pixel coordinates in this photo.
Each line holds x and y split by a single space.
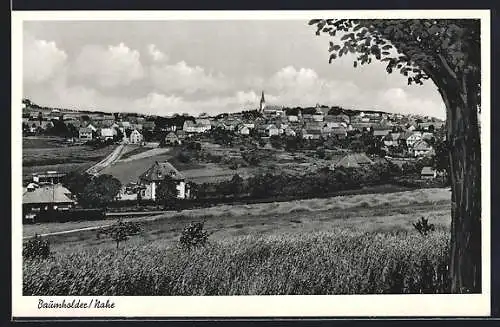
318 263
357 244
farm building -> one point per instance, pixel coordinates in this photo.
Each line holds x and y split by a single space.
51 197
428 173
91 127
171 138
391 139
136 137
422 148
49 177
413 138
311 134
352 160
85 134
156 174
272 130
108 133
243 130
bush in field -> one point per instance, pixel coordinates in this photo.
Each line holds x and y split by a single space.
340 262
36 247
120 231
423 227
193 235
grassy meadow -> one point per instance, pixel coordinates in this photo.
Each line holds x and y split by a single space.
358 244
50 153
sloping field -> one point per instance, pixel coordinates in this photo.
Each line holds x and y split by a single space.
213 173
145 153
44 154
360 212
130 171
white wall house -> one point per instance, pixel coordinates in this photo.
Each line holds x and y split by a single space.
136 137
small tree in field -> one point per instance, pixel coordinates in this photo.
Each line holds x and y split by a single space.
193 235
120 231
448 52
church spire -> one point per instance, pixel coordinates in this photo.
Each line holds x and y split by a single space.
262 102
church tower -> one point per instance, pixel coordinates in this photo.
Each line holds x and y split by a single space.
262 102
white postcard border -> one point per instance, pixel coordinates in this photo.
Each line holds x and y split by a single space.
250 306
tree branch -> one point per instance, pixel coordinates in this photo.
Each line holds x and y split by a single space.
448 68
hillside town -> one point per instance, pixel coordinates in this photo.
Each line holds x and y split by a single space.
337 137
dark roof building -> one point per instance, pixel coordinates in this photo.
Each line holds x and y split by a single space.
159 171
353 160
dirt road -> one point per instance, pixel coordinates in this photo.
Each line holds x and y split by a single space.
112 157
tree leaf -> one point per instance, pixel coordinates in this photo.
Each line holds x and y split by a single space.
314 21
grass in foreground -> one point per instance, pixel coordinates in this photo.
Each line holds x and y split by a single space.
340 262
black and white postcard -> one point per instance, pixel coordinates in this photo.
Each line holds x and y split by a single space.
244 164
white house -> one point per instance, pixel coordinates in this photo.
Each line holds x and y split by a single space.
92 127
413 138
85 134
136 137
422 148
108 133
244 130
391 139
272 130
156 174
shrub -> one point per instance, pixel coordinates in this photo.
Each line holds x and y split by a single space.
120 231
193 235
36 247
423 226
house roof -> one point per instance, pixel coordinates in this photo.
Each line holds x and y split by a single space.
427 171
421 145
427 136
405 135
203 121
381 132
171 135
392 137
107 132
159 170
47 194
339 130
353 160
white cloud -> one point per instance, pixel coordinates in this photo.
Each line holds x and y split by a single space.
182 78
304 87
113 66
158 103
155 53
42 60
398 100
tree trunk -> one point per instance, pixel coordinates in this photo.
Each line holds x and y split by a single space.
465 162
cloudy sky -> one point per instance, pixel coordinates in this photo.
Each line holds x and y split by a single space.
166 67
